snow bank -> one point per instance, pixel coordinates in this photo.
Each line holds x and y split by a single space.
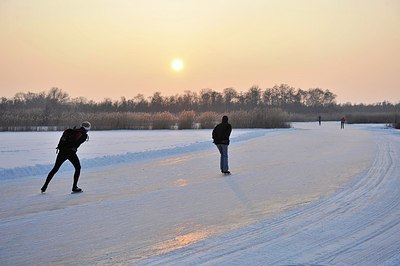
103 149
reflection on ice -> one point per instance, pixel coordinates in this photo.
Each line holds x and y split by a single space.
181 241
180 182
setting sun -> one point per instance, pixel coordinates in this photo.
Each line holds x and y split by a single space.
177 65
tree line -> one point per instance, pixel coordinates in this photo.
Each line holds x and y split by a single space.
282 96
43 108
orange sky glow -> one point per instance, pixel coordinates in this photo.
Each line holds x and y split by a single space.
111 48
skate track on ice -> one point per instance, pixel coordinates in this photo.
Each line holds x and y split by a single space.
308 196
357 225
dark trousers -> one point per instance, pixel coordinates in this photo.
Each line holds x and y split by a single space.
61 158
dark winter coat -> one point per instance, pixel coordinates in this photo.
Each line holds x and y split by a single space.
221 133
72 139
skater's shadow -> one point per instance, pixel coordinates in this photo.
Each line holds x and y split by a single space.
243 198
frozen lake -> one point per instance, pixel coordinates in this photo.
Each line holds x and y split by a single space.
306 195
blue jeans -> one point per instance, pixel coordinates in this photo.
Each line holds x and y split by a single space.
223 150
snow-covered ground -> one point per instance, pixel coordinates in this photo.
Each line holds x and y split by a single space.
302 196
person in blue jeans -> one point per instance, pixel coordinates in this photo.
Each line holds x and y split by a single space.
220 135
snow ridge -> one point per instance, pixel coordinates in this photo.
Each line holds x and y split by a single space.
129 157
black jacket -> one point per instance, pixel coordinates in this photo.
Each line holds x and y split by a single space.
221 133
72 139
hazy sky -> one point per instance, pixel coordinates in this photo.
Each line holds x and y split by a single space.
113 48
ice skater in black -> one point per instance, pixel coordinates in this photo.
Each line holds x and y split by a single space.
68 146
220 135
342 121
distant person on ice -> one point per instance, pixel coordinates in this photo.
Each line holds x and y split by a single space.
342 121
220 135
319 120
67 147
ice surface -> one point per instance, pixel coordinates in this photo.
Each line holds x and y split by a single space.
303 196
